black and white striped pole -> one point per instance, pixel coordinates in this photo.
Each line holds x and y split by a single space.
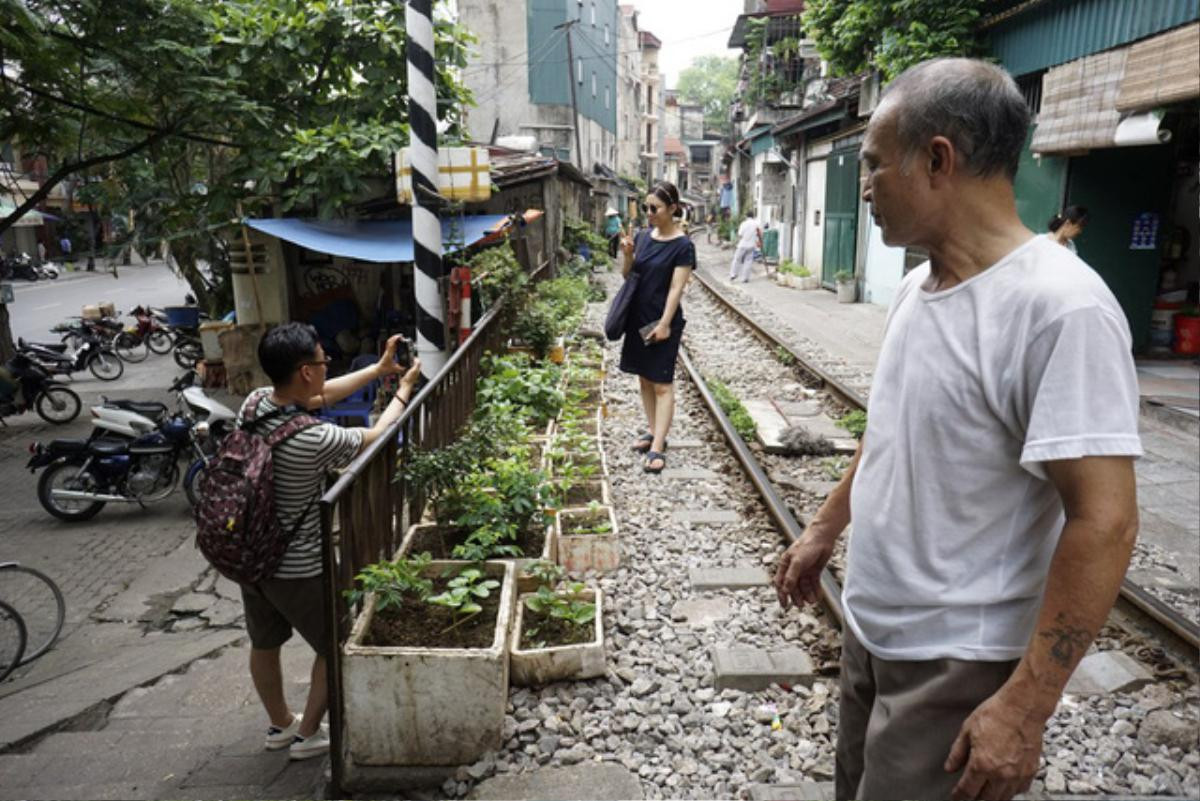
423 157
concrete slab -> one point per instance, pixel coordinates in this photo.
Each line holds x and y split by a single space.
603 781
796 409
803 791
751 669
768 421
47 705
733 578
702 516
701 611
179 570
689 474
676 444
1107 672
771 424
260 769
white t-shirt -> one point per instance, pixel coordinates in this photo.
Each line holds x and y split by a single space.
954 519
748 233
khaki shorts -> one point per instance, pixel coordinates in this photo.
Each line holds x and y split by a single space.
274 607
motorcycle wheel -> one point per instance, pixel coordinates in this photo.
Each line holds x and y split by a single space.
129 348
159 342
57 405
62 475
106 366
190 479
187 354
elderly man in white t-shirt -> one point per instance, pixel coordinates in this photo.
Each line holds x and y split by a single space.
993 495
749 235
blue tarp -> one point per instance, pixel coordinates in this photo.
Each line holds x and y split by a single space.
370 240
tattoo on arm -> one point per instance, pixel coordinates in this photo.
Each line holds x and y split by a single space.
1065 639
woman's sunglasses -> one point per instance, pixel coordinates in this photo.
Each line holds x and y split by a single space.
650 208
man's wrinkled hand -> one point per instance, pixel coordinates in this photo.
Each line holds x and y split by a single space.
798 577
999 745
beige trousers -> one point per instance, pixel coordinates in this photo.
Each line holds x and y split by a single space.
897 721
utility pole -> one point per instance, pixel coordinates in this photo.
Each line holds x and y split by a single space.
571 79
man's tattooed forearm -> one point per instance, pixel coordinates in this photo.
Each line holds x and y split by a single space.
1065 640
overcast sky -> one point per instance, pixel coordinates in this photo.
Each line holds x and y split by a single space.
688 28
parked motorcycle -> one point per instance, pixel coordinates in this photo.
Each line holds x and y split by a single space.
81 476
18 265
133 344
25 385
94 354
74 330
128 418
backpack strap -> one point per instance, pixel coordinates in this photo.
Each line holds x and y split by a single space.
293 426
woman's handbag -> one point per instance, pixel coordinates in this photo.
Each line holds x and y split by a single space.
618 312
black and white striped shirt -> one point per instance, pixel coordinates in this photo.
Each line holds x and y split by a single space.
301 464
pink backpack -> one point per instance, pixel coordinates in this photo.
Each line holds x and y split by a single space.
237 529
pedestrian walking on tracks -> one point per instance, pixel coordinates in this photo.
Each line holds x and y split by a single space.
993 495
749 235
663 258
293 597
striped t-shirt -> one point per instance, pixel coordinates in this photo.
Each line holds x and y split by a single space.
300 465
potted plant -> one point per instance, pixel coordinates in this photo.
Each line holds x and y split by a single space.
558 635
587 538
425 669
805 279
847 288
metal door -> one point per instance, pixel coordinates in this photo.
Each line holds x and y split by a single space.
841 213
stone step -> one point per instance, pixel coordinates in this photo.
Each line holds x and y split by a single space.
753 669
1107 672
771 422
737 577
803 791
689 474
701 611
705 516
675 444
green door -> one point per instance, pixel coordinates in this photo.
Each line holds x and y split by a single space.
1116 185
841 213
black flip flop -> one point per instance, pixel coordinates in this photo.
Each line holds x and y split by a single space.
652 456
647 439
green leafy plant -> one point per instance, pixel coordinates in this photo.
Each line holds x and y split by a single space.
544 572
855 422
784 356
834 467
566 616
497 271
843 277
392 582
463 594
592 520
512 382
738 415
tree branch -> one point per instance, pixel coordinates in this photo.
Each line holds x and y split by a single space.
77 166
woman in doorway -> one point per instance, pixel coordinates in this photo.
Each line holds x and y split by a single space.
663 258
1068 225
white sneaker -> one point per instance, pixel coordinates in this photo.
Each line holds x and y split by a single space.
314 745
279 739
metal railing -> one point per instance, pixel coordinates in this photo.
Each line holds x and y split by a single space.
366 512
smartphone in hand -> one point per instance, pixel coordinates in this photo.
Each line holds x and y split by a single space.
645 330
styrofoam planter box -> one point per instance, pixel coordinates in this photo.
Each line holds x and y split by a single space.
427 706
581 552
809 282
539 666
847 292
524 583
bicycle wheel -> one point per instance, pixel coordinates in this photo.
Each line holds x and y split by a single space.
38 601
12 640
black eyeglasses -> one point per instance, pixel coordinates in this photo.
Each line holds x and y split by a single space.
318 363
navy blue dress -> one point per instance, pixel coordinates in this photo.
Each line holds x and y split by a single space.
655 264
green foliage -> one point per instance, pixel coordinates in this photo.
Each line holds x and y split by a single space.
498 501
784 356
774 69
595 520
514 384
578 232
437 471
789 267
742 422
891 35
843 277
855 422
565 605
463 593
710 82
191 113
834 467
392 582
498 272
544 572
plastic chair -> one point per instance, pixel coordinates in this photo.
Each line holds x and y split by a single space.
356 408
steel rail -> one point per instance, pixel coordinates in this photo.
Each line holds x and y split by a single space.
785 521
1166 620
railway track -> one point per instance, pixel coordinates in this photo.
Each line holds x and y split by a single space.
1137 610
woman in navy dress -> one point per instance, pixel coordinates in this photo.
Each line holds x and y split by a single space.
663 257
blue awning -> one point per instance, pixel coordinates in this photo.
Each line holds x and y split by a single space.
371 240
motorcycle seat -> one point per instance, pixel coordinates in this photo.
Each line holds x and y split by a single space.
60 347
108 447
151 409
58 446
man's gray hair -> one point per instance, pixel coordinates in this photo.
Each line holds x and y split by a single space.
974 104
